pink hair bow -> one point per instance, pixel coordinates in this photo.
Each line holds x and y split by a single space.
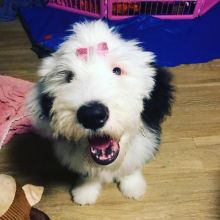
83 52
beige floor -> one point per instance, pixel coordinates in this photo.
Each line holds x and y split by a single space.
183 180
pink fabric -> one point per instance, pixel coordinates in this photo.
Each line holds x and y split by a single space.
13 119
83 53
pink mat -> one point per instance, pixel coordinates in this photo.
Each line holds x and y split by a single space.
13 117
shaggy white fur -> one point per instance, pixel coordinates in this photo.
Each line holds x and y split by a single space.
133 186
93 80
87 192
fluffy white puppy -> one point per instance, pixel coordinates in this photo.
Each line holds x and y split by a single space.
102 100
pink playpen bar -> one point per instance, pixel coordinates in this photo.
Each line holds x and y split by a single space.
194 9
207 5
178 15
105 8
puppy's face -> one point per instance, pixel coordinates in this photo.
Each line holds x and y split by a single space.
92 89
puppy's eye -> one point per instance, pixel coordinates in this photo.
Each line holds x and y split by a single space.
68 75
117 71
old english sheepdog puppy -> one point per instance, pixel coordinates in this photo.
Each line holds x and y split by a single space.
102 100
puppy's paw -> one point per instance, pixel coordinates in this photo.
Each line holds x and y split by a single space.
87 193
133 186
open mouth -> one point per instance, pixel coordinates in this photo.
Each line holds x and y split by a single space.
104 149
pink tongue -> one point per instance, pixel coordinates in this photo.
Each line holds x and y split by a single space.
100 144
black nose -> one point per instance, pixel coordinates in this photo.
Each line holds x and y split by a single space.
93 115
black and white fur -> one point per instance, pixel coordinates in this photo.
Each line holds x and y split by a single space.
137 101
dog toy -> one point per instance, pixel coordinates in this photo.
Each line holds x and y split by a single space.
16 202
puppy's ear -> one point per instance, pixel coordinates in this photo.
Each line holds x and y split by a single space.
45 101
161 98
39 103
